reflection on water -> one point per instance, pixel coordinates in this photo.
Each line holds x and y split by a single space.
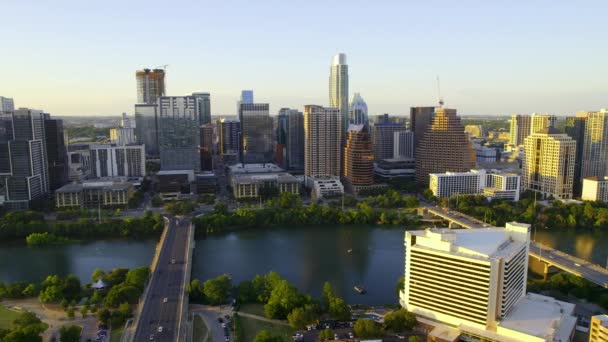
591 246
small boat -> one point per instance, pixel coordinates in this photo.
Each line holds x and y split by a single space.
350 250
360 289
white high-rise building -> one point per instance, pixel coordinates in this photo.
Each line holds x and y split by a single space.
117 161
491 184
595 189
548 165
338 89
7 105
472 284
322 139
358 111
403 145
520 129
540 121
595 148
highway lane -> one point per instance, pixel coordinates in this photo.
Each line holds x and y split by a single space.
160 319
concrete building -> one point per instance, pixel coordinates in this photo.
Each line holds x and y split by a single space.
56 152
117 161
254 169
179 136
147 129
598 331
541 121
94 195
338 90
471 285
485 154
248 186
476 182
595 149
420 120
383 135
79 162
444 147
175 184
575 128
322 141
203 107
595 189
358 160
7 105
24 178
256 133
229 132
125 122
325 187
122 136
388 170
290 139
358 112
150 85
403 145
520 129
548 165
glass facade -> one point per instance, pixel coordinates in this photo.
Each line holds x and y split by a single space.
256 133
179 137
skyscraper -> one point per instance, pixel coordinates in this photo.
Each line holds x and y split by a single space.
7 105
520 129
403 145
56 152
125 122
444 147
117 161
290 135
575 128
206 148
179 136
322 141
147 128
595 148
247 96
358 159
229 132
420 119
256 133
358 112
338 89
203 107
384 138
150 85
23 158
548 165
540 121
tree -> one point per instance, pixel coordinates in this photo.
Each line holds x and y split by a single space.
265 336
415 339
298 318
84 310
71 288
366 328
338 309
138 277
399 321
29 291
216 290
70 313
70 333
284 297
104 315
327 295
326 334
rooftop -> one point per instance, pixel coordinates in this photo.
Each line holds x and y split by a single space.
255 168
603 320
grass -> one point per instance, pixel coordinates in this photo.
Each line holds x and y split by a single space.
250 328
116 334
253 308
200 330
7 317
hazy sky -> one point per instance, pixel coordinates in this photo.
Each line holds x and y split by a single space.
80 57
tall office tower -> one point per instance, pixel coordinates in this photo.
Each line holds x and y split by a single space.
247 96
358 159
420 119
383 134
548 165
444 147
125 122
147 129
7 105
290 136
540 121
23 158
403 145
117 161
358 111
122 136
206 148
256 133
150 85
595 149
229 132
520 129
575 128
56 152
322 141
599 328
203 107
338 89
179 136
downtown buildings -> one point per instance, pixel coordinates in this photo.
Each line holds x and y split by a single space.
256 133
117 161
338 90
178 137
322 141
290 139
358 160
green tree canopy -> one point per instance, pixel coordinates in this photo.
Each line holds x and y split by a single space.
366 328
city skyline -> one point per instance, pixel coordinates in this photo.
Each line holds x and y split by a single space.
514 68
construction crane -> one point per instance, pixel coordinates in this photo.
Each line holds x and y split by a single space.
439 93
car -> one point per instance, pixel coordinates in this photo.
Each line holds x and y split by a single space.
577 264
227 339
172 261
151 337
399 336
336 337
223 325
165 300
351 335
160 329
220 320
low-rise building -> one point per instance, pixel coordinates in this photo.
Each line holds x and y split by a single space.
325 187
174 183
94 195
251 185
206 183
598 331
595 189
491 184
390 169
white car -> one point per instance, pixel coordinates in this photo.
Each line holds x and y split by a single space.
165 299
160 329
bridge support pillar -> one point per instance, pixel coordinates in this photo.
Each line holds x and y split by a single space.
540 267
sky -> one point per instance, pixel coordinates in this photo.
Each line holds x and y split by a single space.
493 58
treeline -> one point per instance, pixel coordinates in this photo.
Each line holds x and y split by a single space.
287 209
20 225
561 285
557 215
26 327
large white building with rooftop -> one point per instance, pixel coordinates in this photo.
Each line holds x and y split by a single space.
471 284
599 328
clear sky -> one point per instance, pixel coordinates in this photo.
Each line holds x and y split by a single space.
493 57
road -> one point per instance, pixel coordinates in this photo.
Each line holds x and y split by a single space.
210 315
167 281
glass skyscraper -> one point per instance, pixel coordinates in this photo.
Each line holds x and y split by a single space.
203 107
256 133
146 130
179 137
358 112
338 89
